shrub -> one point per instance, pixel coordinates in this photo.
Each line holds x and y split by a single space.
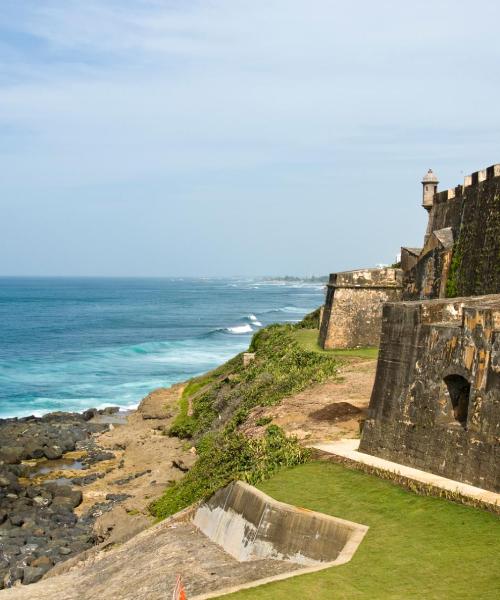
228 456
221 402
310 321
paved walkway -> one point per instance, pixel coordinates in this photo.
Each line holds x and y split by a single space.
348 448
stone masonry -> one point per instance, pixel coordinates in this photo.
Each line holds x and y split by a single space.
461 253
352 312
435 404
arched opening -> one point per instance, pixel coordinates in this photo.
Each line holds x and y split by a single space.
458 390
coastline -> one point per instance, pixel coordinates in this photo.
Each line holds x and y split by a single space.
140 463
74 482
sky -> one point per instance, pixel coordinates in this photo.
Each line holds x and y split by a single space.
235 137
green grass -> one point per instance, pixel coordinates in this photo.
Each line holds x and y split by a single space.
416 548
308 340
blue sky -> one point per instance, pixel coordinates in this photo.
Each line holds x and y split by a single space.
234 137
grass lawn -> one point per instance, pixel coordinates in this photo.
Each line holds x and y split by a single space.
416 547
308 339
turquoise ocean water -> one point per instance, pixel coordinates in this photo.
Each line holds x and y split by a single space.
75 343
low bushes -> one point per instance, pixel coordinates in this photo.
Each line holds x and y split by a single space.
222 400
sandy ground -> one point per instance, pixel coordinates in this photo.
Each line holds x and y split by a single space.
142 468
326 411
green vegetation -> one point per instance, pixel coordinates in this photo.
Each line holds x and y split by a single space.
417 547
452 290
222 400
308 340
310 321
227 456
263 421
183 425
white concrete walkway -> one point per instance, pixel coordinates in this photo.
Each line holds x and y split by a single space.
348 448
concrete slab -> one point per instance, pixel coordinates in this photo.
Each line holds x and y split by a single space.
348 448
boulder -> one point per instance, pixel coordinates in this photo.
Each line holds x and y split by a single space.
33 574
11 454
52 452
65 491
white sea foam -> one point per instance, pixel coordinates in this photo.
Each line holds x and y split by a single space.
254 321
239 329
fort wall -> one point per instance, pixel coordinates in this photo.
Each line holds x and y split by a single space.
352 312
461 255
435 404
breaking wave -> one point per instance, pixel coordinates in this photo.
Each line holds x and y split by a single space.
110 342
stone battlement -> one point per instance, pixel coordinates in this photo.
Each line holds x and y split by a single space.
469 180
462 242
367 278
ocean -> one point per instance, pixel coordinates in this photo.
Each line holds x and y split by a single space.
74 343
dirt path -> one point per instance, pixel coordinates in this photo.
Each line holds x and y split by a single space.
326 411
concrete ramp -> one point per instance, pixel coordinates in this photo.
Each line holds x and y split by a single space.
253 540
250 525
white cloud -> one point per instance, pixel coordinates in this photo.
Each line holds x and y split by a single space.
200 95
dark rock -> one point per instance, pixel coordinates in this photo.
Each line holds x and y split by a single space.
38 527
100 456
14 574
52 452
64 517
11 454
65 491
62 502
89 414
16 520
33 450
180 464
109 410
33 574
117 497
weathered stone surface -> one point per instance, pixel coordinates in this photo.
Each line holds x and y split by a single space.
353 306
435 404
462 244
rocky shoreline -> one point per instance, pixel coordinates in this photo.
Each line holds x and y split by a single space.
38 525
70 482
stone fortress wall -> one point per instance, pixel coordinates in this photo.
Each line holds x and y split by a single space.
461 252
435 404
352 312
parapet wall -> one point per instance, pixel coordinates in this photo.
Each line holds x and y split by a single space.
353 306
250 525
470 264
435 404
